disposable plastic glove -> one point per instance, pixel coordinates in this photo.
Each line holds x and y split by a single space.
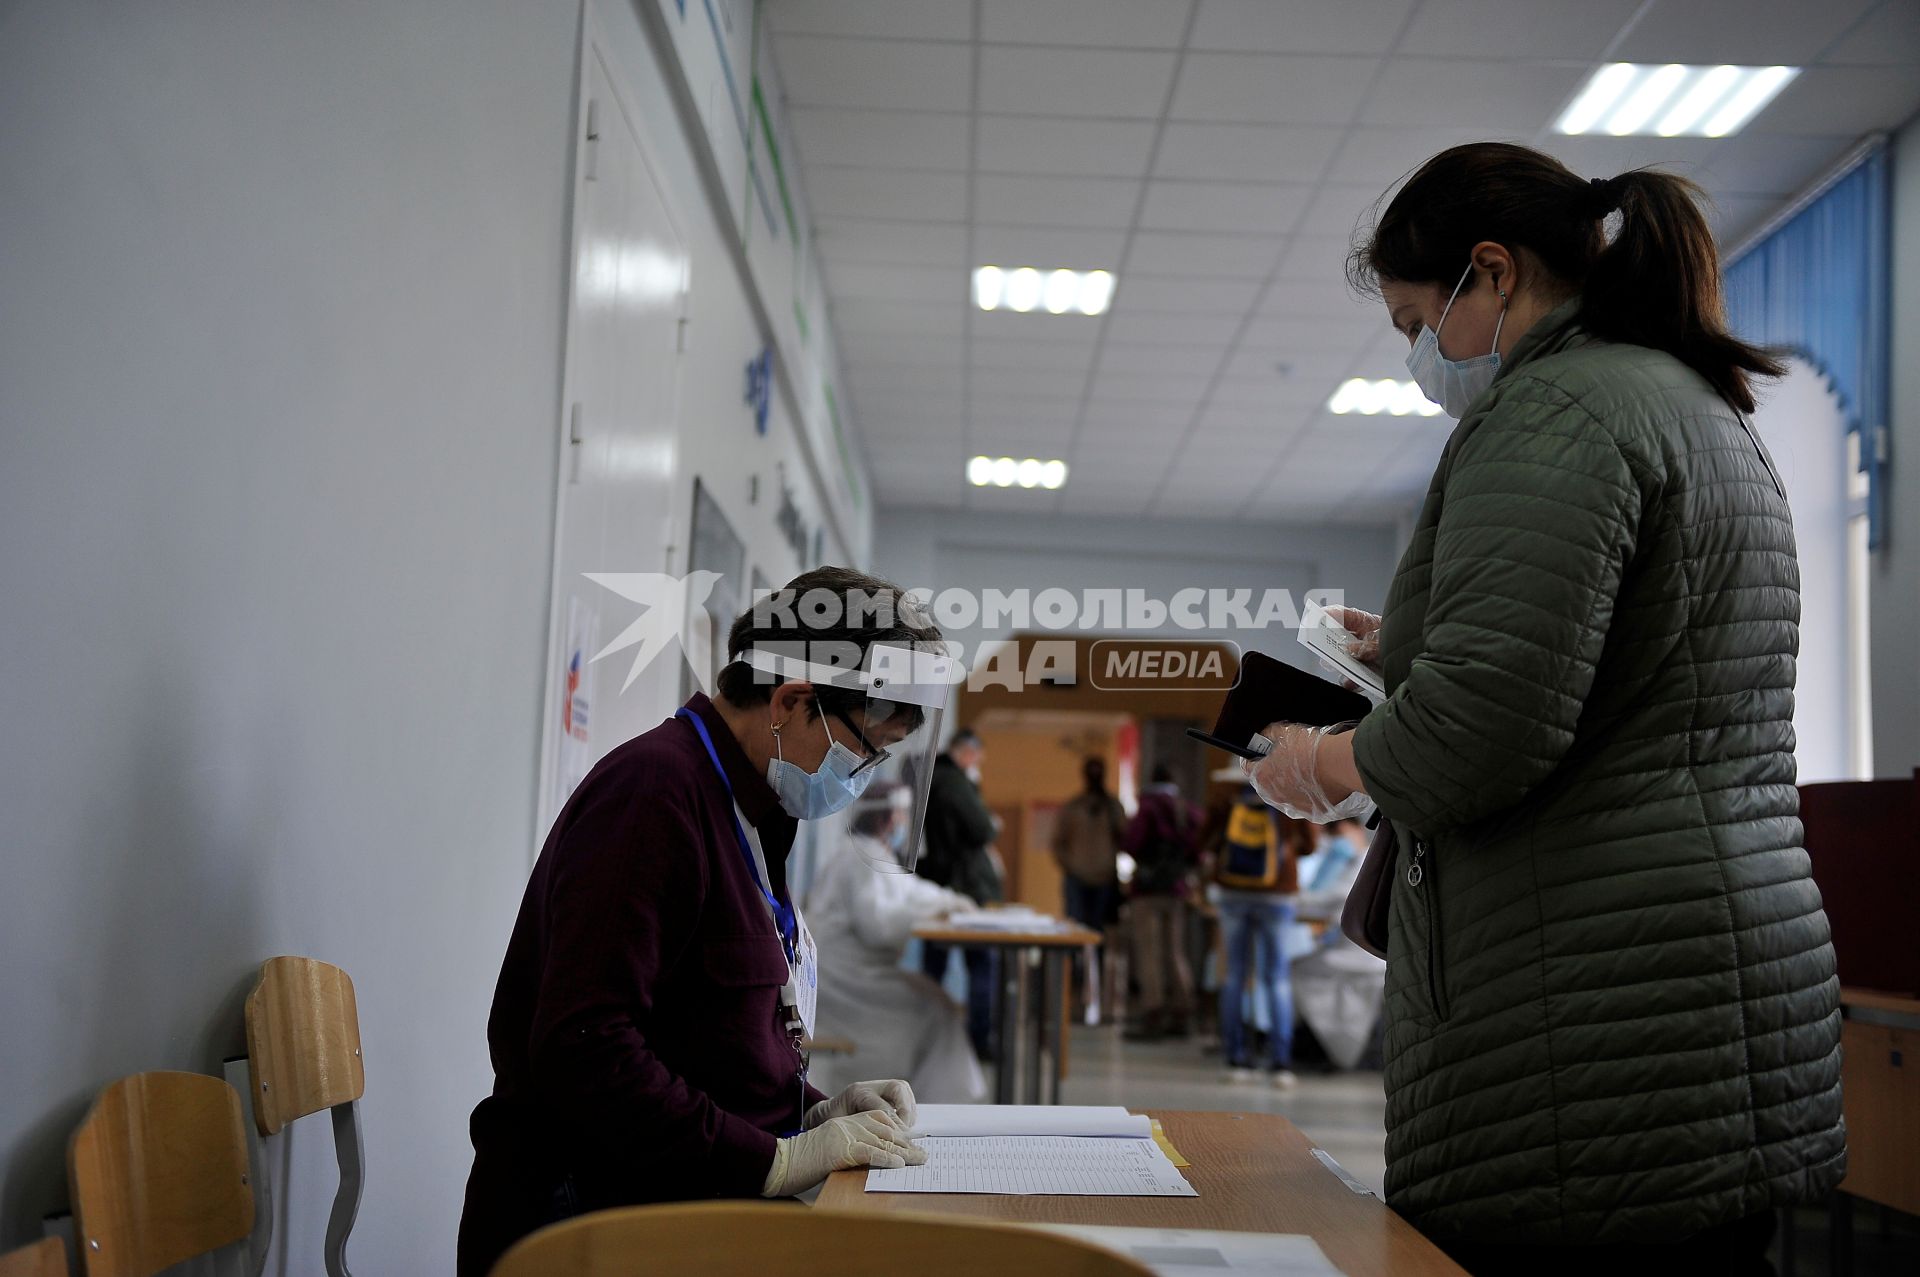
1289 776
839 1144
1365 647
891 1096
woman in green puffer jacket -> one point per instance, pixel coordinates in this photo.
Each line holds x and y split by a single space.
1613 1030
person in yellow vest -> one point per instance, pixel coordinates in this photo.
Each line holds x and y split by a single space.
1257 871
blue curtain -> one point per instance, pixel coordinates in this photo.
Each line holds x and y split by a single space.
1818 286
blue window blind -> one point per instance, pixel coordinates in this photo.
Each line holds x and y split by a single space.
1818 286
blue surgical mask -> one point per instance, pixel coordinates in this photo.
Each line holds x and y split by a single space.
1453 383
810 795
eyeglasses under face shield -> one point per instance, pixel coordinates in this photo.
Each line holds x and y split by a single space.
886 703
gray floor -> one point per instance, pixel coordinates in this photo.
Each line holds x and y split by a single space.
1342 1113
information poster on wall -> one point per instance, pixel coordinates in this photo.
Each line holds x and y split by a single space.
574 757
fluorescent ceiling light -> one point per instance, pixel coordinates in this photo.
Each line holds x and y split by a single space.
1058 292
1385 396
1674 100
1005 472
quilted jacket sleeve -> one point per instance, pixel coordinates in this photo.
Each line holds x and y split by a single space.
1540 510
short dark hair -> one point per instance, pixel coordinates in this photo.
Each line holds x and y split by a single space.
1162 775
867 610
962 738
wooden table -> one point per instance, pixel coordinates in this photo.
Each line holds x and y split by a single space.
1255 1172
1031 1019
1880 1091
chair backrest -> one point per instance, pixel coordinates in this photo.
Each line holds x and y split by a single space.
303 1036
742 1239
45 1258
158 1171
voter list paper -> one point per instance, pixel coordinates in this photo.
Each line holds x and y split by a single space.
1038 1166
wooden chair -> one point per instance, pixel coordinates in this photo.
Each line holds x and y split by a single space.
741 1239
45 1258
158 1172
303 1048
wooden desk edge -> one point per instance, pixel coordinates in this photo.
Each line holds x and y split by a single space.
1353 1225
1073 938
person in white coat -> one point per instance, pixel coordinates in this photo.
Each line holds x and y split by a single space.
900 1022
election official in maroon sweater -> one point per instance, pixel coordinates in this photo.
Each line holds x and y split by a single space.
647 1027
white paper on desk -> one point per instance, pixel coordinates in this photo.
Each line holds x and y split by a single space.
1188 1252
955 1121
1002 920
1038 1166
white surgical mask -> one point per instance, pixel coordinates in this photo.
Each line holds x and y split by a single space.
810 795
1453 383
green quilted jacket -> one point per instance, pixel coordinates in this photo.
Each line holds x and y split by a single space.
1612 1013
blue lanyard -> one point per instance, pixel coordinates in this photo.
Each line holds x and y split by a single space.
782 914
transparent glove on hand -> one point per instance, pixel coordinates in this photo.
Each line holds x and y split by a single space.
1364 647
839 1144
891 1096
1289 777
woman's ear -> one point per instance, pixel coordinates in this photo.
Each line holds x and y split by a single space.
787 701
1498 263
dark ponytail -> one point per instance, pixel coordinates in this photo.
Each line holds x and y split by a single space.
1656 283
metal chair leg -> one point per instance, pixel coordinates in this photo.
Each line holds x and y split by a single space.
346 1200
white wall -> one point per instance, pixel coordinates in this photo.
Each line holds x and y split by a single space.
1895 582
279 386
1804 429
951 550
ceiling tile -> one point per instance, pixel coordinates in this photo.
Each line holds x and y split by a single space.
1113 415
893 74
1340 209
1158 360
1264 207
1195 329
1578 31
1105 202
988 405
1746 32
1064 381
1505 96
1077 148
1246 152
1591 156
1046 247
1162 388
1890 35
1316 260
905 243
880 139
892 19
1262 88
1148 292
1279 338
881 381
868 348
1179 253
1383 156
1038 329
987 352
1300 26
1754 164
1104 83
1145 24
858 315
886 194
1000 416
1842 101
894 283
1328 300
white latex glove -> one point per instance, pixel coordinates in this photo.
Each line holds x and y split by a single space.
892 1097
840 1144
1289 777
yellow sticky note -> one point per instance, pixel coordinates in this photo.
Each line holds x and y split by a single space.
1166 1145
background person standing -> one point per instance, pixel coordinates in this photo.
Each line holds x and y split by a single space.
1163 840
959 855
1086 844
1257 869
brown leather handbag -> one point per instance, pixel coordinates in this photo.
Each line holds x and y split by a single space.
1363 919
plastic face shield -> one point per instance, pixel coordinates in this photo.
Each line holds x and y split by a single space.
894 726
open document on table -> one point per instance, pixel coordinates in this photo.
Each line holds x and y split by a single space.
1035 1150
